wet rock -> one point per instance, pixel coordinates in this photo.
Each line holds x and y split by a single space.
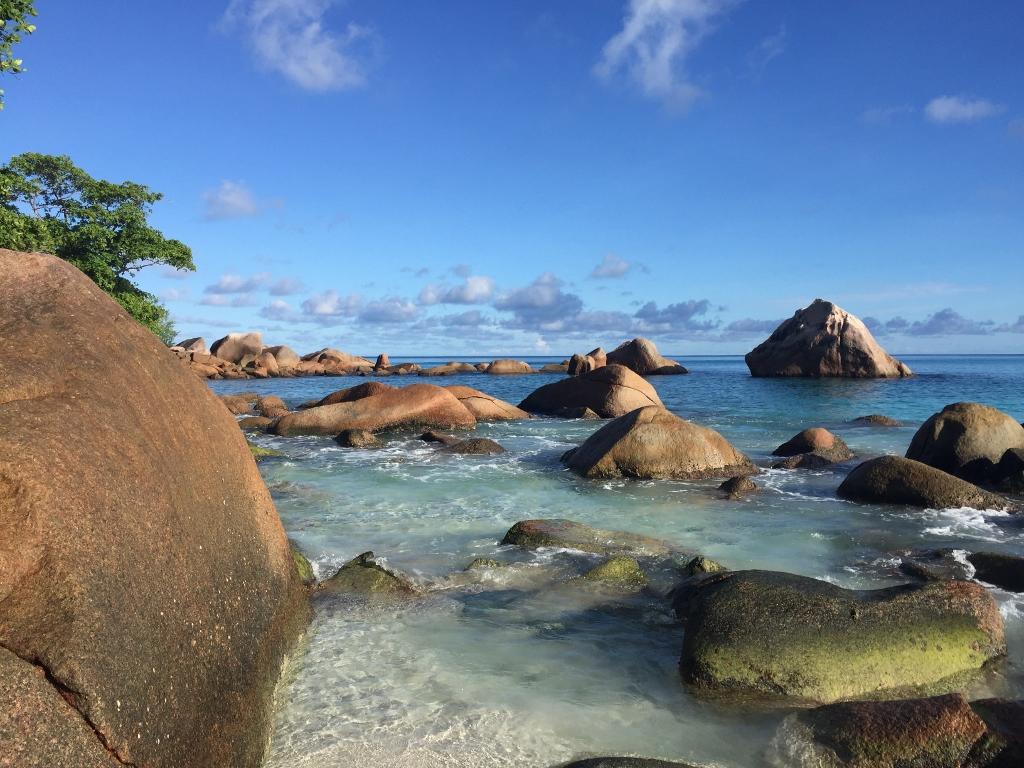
356 438
620 571
509 367
781 635
700 565
271 406
936 732
533 534
823 340
418 405
576 413
934 565
813 460
651 442
895 480
482 563
814 439
623 762
486 407
967 440
876 420
255 423
1004 571
364 575
1009 474
1004 719
641 356
259 453
737 486
474 446
609 392
243 402
436 437
303 568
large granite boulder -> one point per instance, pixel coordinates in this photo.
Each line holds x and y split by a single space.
895 480
486 407
642 357
596 358
610 391
651 442
336 361
358 392
195 344
823 340
418 405
286 357
506 367
967 440
447 369
777 634
238 348
533 534
147 589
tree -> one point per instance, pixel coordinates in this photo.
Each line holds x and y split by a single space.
49 204
14 15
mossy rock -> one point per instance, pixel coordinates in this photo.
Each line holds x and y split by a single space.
623 762
364 575
620 571
772 634
701 564
259 452
302 565
481 563
532 534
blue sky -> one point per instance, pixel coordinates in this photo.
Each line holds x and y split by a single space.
482 178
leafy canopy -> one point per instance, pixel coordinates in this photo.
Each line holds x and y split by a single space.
49 204
14 15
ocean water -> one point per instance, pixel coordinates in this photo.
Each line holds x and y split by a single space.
526 666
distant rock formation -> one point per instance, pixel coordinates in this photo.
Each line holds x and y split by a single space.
823 340
642 357
594 359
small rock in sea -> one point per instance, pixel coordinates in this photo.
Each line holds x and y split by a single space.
738 486
474 446
364 575
438 437
254 423
876 420
811 460
642 357
823 446
1004 571
356 438
533 534
623 762
243 402
701 564
933 565
620 571
482 563
259 453
271 406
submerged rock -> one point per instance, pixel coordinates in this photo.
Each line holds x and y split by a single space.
812 460
243 402
934 565
303 568
641 356
623 762
532 534
876 420
481 563
485 407
823 340
895 480
418 405
148 590
609 392
737 486
259 452
436 437
651 442
967 440
364 575
619 571
1004 571
474 446
781 635
356 438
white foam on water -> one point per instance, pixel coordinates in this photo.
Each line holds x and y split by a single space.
965 522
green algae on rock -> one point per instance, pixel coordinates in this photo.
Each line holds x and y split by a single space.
302 565
532 534
364 575
896 480
620 571
773 634
259 452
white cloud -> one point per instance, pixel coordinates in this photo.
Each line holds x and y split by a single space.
174 294
611 266
475 289
885 115
331 304
231 283
769 49
960 109
656 38
226 300
231 200
389 310
291 37
286 286
278 310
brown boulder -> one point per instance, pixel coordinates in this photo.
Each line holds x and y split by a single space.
447 369
485 407
193 345
266 361
147 590
436 437
738 486
823 340
651 442
610 391
271 406
967 440
255 423
474 446
286 357
242 402
336 361
591 361
238 348
356 438
642 357
876 420
418 405
383 362
896 480
507 367
357 392
814 447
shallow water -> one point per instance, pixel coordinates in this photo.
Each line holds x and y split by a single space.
524 666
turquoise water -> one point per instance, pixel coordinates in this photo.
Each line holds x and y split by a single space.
524 666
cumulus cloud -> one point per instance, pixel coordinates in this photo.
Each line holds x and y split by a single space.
230 200
960 109
279 310
472 318
292 37
475 289
1017 327
885 115
948 322
231 283
331 306
174 294
611 266
751 327
675 317
389 310
656 38
286 286
540 305
229 300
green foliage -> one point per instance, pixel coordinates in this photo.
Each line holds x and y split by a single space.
48 204
14 15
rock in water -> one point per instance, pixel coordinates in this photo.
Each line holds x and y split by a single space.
286 357
591 361
507 367
145 569
271 406
619 571
485 407
778 634
876 420
737 486
364 575
356 438
1005 571
474 446
418 405
641 357
816 439
967 440
610 391
895 480
653 443
823 340
532 534
238 348
623 762
383 362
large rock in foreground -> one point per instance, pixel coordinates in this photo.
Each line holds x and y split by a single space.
823 340
486 407
642 357
418 405
778 634
147 590
653 443
610 391
895 480
967 440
